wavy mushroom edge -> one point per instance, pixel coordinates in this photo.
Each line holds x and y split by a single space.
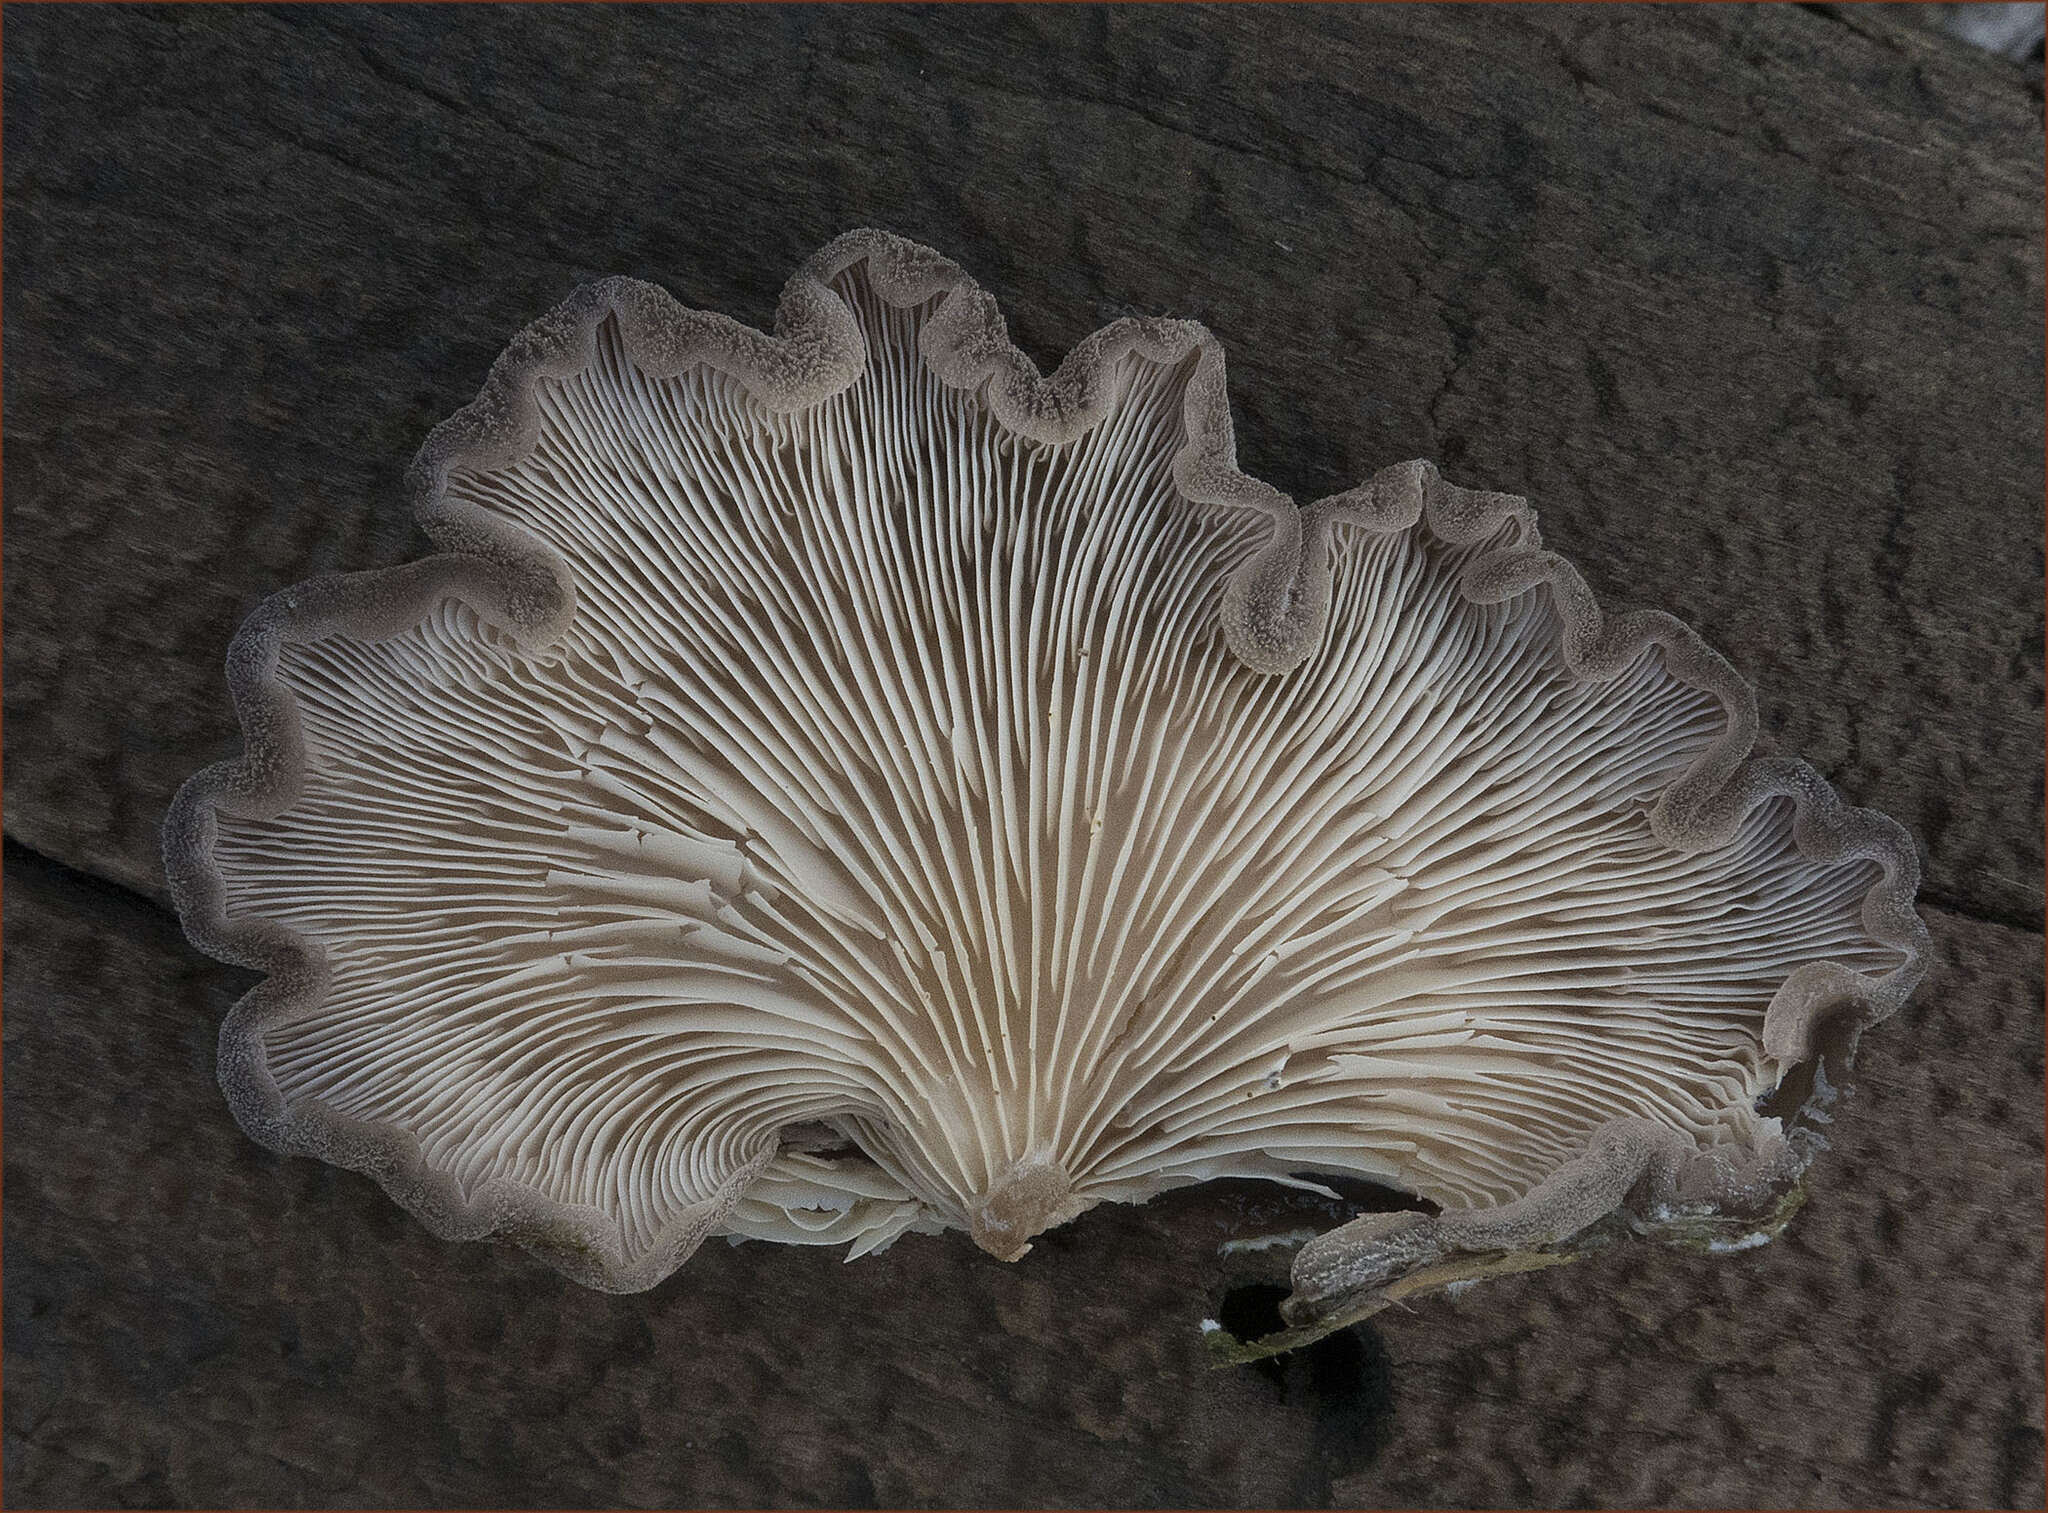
1273 613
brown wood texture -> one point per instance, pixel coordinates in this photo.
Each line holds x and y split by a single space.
1746 299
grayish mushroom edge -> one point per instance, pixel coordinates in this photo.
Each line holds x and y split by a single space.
1628 1174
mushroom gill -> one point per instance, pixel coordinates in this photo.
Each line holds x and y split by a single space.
840 782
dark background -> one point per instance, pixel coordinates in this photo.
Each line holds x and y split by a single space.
1749 302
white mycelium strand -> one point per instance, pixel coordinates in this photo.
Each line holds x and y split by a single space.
892 777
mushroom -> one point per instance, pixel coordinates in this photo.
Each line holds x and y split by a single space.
840 783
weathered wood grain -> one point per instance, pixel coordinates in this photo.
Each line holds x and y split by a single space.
1747 299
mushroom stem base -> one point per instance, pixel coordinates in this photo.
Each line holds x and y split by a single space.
1034 1195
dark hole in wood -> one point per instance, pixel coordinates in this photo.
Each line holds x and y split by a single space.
1345 1380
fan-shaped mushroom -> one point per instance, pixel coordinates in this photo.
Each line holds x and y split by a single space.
841 782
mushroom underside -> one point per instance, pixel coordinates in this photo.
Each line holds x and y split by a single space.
887 836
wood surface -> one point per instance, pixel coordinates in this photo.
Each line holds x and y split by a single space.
1747 300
